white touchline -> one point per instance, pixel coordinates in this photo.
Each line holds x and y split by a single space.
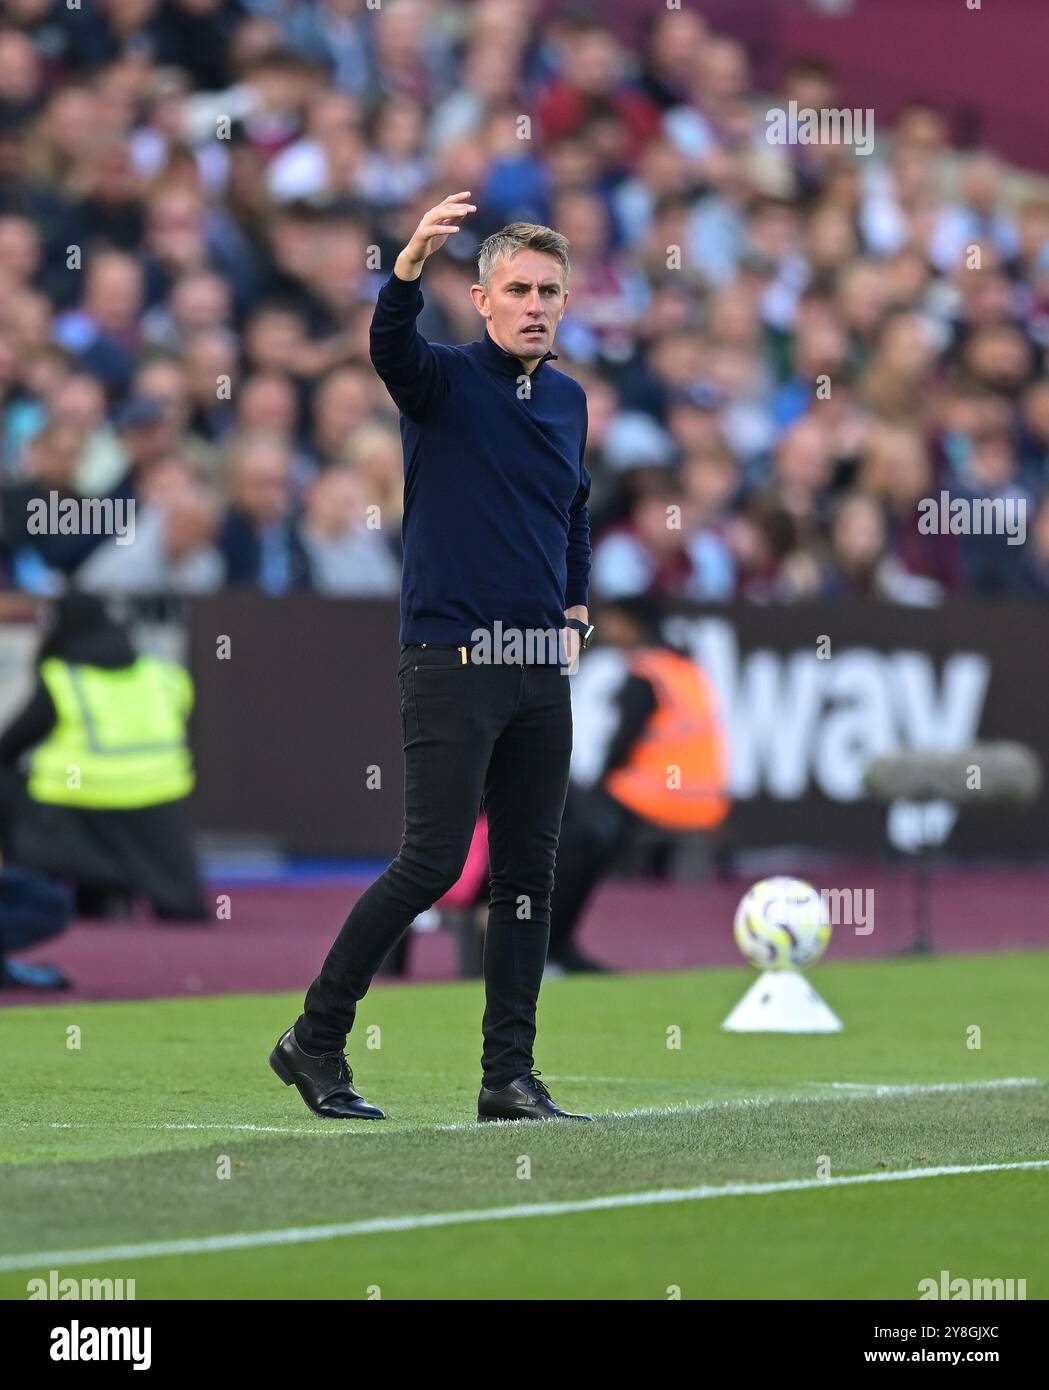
858 1090
908 1086
929 1088
329 1129
384 1225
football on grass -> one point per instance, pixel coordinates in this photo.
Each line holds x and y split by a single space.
782 924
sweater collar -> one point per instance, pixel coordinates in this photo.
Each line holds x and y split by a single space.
505 362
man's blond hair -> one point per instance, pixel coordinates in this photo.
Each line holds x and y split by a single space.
520 236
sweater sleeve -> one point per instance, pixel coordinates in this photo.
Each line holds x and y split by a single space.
577 584
413 370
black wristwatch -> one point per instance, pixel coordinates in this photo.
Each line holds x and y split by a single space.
585 630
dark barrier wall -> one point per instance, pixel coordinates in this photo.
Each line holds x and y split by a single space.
297 729
287 724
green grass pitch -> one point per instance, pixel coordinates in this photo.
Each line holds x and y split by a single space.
112 1151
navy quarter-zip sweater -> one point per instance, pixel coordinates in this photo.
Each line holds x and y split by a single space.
496 525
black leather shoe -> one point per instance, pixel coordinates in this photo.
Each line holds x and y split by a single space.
524 1099
325 1083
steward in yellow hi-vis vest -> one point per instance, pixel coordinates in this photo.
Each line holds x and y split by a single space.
675 774
103 743
665 765
120 738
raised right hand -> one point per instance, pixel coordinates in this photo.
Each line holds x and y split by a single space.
433 231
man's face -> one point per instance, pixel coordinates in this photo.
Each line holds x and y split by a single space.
524 304
260 485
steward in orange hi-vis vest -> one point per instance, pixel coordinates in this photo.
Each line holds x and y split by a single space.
676 773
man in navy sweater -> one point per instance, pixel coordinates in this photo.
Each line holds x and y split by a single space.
496 540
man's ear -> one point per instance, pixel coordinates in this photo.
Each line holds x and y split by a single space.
480 299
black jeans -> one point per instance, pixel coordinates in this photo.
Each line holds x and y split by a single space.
497 733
